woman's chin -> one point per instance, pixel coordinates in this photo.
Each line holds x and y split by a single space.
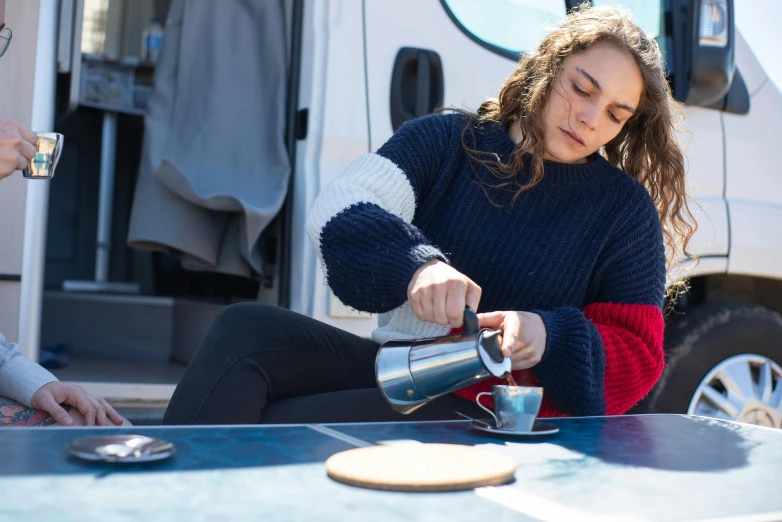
558 155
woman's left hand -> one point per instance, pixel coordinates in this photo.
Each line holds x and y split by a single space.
523 336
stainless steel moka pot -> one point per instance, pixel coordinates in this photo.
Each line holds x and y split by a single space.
412 372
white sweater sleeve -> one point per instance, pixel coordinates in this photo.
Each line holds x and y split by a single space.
20 377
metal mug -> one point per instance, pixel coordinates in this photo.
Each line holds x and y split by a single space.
515 407
48 149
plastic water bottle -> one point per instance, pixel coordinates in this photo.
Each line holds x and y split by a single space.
152 40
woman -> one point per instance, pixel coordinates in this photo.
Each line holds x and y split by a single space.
512 211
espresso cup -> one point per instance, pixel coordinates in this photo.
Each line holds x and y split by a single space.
515 407
48 148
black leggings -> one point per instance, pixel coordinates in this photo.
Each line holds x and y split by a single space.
264 364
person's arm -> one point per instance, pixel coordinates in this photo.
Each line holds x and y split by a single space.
16 415
605 358
20 377
31 396
362 224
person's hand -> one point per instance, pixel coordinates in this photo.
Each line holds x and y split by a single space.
94 410
523 336
438 293
17 147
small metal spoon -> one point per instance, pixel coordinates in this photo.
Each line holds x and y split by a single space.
483 423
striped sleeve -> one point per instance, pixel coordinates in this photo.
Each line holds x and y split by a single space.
362 224
20 377
606 357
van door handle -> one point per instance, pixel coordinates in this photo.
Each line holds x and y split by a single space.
423 85
416 85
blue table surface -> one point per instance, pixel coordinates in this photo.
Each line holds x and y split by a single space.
645 467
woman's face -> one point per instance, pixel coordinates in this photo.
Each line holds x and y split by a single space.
596 92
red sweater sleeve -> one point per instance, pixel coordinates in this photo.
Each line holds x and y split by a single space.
631 338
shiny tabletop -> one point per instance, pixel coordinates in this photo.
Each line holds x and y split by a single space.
633 467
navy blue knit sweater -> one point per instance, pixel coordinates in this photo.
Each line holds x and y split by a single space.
587 234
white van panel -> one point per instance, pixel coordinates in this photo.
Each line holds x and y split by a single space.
756 238
753 190
753 147
701 141
335 94
748 65
712 237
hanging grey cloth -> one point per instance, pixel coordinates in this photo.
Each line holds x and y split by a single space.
214 170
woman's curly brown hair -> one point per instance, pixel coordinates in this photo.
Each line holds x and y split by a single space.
646 147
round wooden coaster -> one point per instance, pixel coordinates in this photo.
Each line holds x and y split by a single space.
421 467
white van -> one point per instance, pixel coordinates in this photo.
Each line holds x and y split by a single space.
357 70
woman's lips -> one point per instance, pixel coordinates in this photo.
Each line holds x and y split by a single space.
572 138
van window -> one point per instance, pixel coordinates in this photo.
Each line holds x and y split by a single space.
646 13
508 27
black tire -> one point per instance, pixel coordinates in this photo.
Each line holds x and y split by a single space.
701 338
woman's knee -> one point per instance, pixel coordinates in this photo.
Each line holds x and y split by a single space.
241 317
244 326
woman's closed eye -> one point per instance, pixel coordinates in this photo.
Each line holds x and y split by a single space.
580 91
585 94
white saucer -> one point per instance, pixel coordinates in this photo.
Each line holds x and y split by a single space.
539 429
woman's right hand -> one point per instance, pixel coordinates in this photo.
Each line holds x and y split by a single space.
17 147
438 293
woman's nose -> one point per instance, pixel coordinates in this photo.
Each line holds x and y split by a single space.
589 117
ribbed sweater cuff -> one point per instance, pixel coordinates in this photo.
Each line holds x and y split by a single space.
416 256
572 366
420 254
